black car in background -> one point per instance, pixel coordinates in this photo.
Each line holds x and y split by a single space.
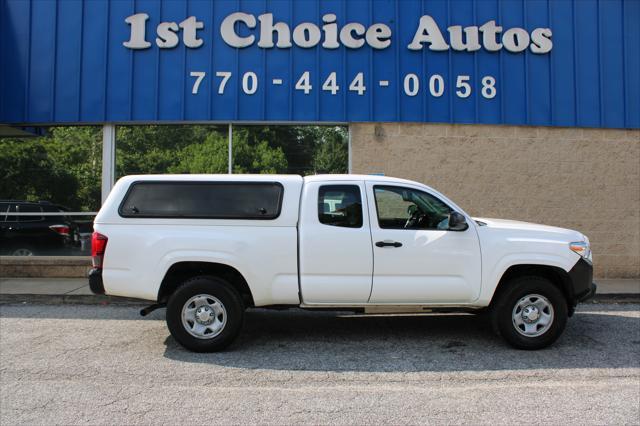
38 235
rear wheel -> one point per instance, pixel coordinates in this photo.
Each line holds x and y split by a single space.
205 314
22 251
531 313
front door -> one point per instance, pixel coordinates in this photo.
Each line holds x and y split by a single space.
416 258
336 259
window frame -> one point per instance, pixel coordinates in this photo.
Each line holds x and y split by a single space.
126 215
375 200
342 185
5 214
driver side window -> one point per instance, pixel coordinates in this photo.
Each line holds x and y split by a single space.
405 208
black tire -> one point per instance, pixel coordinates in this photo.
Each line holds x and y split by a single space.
502 312
22 251
225 294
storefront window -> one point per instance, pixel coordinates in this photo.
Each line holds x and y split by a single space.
255 149
49 190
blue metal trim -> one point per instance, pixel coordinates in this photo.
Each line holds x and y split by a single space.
82 73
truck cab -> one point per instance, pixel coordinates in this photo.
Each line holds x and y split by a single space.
385 241
209 246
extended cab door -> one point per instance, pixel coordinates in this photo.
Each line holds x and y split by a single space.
336 259
417 260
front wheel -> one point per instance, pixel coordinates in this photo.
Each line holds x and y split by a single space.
531 313
205 314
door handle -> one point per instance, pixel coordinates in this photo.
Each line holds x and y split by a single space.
388 243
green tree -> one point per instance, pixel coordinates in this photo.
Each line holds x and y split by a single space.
331 149
257 156
77 152
210 156
302 145
49 169
153 149
298 151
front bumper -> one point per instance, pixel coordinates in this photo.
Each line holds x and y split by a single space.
95 281
590 294
581 276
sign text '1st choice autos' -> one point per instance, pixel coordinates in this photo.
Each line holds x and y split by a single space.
352 35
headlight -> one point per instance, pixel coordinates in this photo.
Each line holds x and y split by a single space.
582 248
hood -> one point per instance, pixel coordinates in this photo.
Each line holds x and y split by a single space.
503 224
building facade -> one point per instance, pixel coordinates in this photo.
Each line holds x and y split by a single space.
522 109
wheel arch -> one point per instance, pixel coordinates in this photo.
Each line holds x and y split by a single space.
556 275
181 271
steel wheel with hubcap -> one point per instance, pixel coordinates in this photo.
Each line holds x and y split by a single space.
205 314
533 315
530 312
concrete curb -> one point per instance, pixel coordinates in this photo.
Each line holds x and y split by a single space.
615 298
70 299
45 266
86 299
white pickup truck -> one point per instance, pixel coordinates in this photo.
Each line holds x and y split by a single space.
209 246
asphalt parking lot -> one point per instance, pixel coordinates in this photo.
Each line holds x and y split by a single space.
93 364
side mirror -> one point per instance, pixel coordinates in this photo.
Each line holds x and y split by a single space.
457 222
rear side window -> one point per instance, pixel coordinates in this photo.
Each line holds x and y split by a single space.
340 205
29 208
23 208
203 200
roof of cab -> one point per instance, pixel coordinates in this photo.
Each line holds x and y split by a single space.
376 178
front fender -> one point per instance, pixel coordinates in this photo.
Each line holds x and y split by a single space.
493 273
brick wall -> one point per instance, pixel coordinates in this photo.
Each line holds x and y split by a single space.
584 179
